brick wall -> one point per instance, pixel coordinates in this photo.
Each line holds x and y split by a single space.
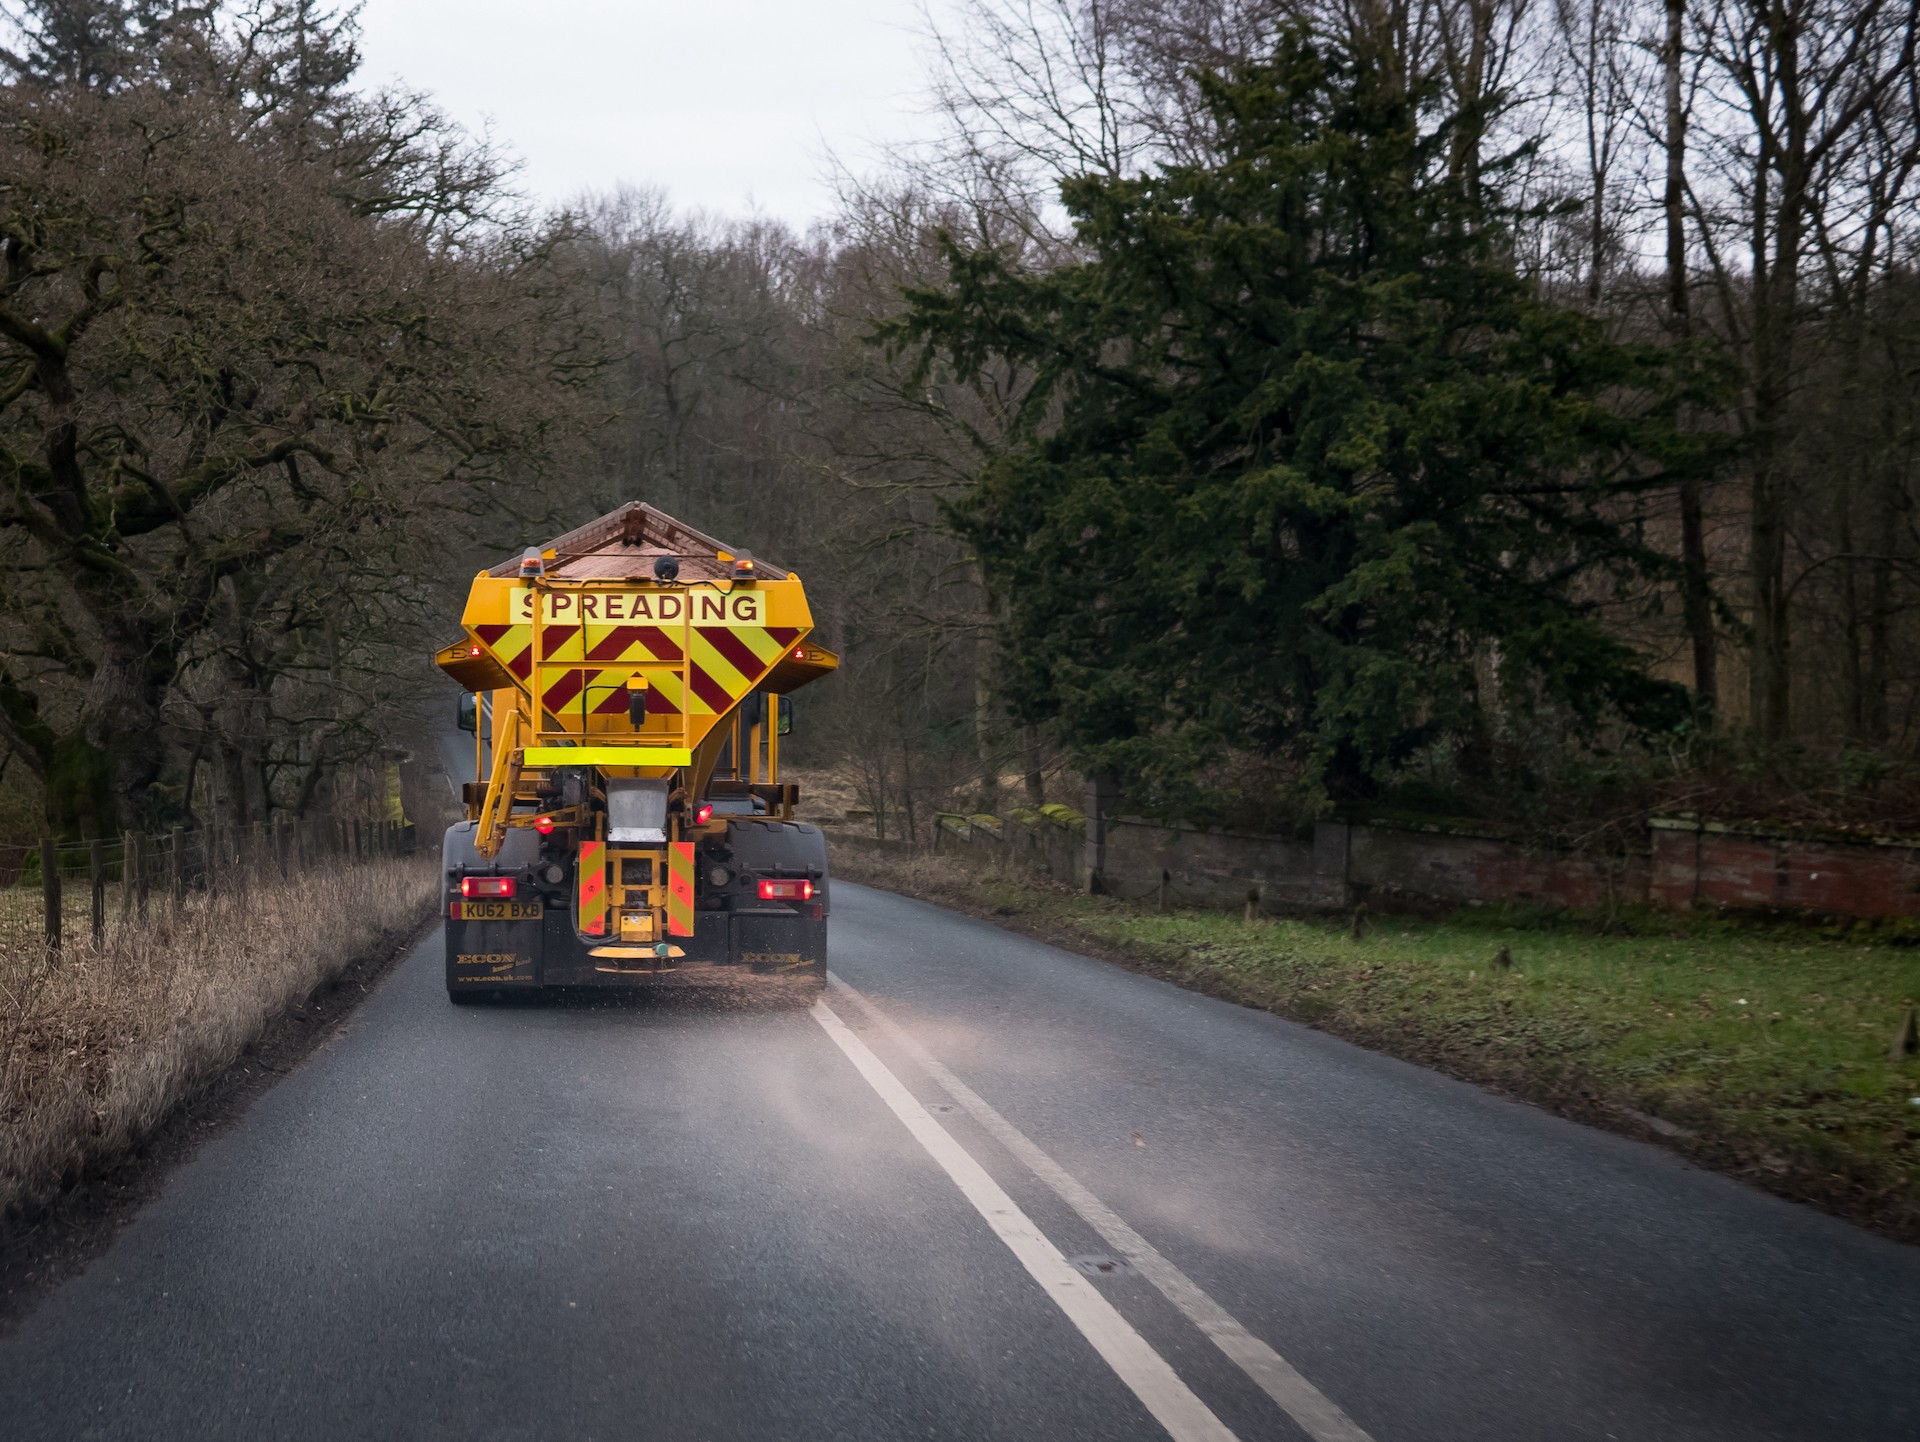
1723 868
1208 868
1392 865
1400 866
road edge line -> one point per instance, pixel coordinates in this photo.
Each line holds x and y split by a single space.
1316 1413
1144 1371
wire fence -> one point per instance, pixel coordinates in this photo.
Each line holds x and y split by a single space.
105 881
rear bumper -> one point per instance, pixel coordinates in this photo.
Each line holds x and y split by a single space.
683 974
727 949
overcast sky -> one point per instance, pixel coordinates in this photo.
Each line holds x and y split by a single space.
726 103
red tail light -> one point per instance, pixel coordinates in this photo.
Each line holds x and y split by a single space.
543 825
501 886
703 814
786 891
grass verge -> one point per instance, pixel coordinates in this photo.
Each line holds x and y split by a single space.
99 1044
1766 1055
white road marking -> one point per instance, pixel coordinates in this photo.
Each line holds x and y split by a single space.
1316 1414
1185 1417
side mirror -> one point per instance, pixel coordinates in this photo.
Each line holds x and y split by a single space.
467 717
784 726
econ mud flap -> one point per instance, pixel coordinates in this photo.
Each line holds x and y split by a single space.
786 944
493 953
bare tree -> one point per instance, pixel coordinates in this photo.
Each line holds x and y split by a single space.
1793 94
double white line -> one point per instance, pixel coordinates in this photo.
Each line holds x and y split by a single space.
1145 1372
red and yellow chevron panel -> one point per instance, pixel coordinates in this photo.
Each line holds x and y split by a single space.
698 664
726 662
680 888
593 888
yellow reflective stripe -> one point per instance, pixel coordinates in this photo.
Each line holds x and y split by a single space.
608 756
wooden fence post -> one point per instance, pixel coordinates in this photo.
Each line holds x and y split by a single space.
97 874
177 866
50 889
129 877
142 878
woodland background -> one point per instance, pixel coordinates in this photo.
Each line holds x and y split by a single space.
283 359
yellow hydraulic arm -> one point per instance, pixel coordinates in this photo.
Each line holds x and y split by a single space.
508 757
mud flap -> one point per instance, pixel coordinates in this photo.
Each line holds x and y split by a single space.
795 944
493 953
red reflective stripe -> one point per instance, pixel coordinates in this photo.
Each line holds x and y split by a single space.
557 636
621 639
523 663
593 887
564 689
680 889
490 632
615 704
708 689
737 653
785 635
663 646
611 646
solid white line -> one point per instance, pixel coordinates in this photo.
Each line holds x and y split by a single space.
1145 1371
1316 1414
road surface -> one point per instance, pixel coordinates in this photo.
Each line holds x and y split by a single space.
988 1189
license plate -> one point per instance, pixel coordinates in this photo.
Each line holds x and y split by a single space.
497 911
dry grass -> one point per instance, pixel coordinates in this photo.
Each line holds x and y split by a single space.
98 1045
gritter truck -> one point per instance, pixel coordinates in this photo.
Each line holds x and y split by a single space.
627 689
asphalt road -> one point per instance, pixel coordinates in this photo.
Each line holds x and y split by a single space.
678 1219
